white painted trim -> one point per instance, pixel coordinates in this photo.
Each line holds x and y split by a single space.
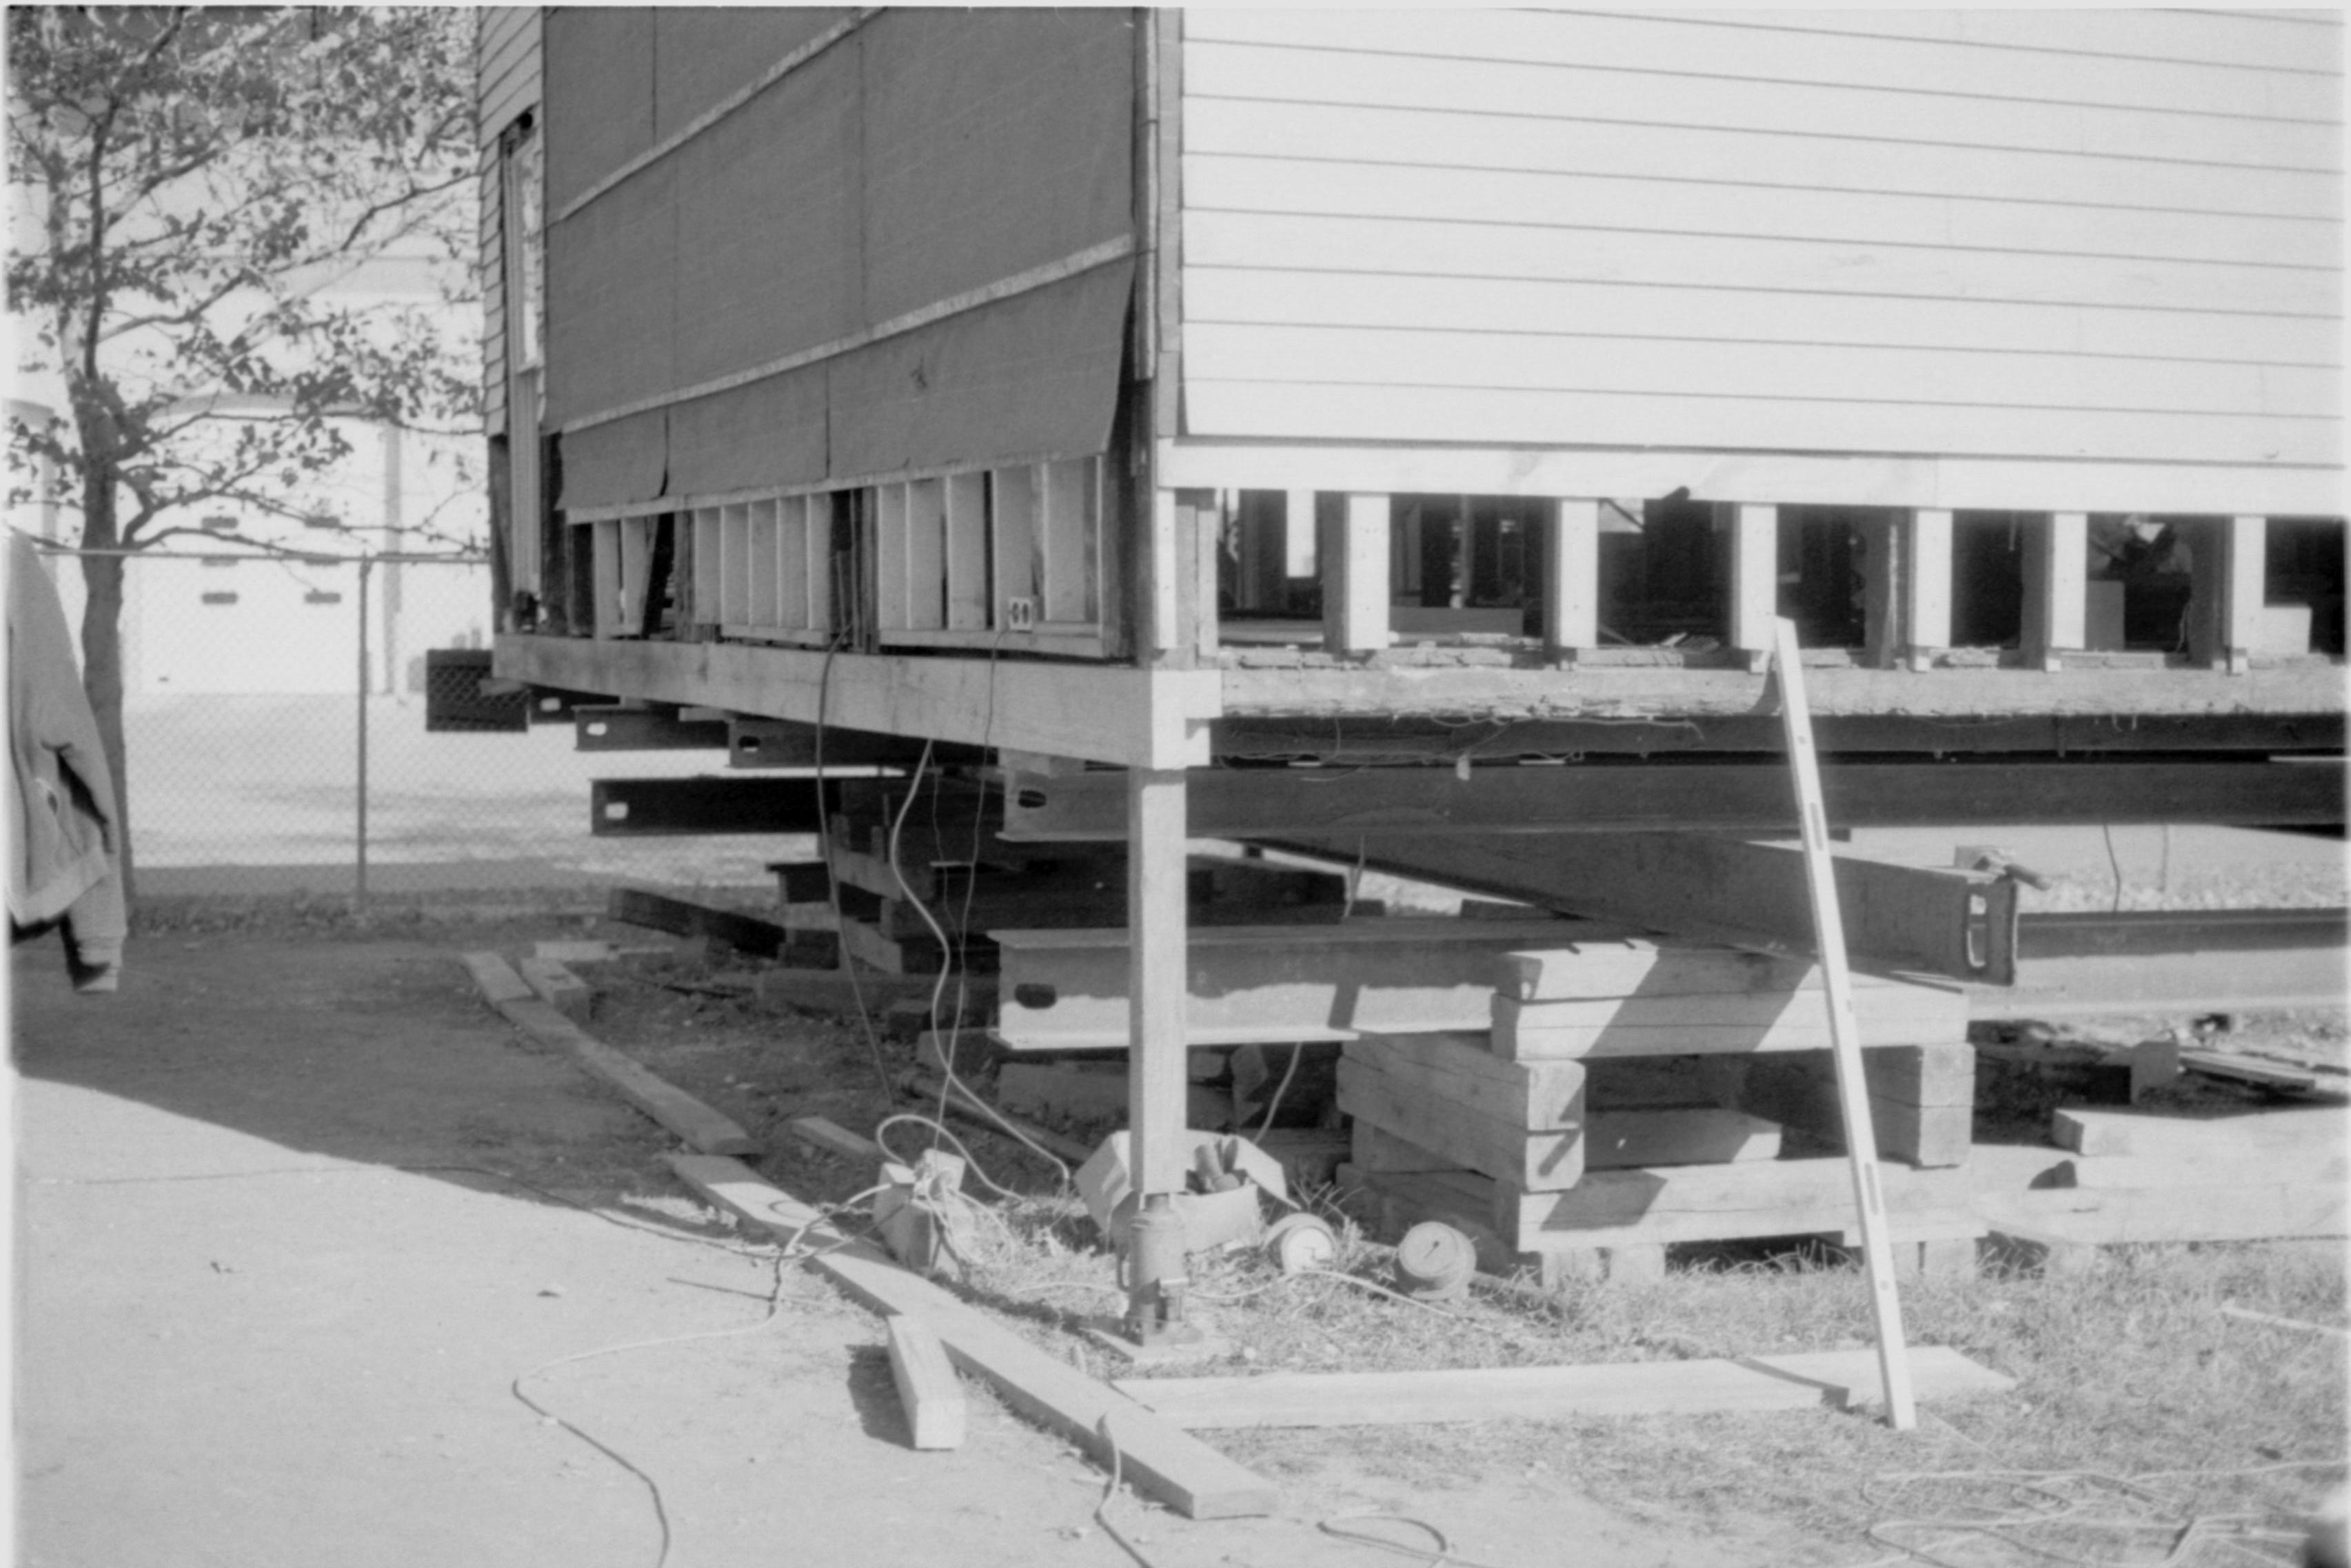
813 487
1034 278
1827 479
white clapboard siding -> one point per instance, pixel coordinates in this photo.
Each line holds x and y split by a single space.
1743 262
1275 297
1779 99
507 53
1561 141
1309 409
1563 362
2267 40
1834 51
493 279
1641 203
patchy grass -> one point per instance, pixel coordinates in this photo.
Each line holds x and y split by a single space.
2130 1371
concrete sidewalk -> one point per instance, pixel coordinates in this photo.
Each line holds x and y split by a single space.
296 1223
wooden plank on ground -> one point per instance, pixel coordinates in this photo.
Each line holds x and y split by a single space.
2263 1074
2271 1212
1162 1460
1546 1393
497 978
2279 1135
929 1389
673 1107
557 986
833 1137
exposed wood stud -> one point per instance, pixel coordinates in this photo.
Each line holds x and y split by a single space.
1572 589
1926 585
1884 573
1754 578
1354 560
966 552
926 562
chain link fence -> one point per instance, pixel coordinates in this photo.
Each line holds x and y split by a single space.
274 722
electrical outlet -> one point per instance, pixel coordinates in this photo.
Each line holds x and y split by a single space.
1019 614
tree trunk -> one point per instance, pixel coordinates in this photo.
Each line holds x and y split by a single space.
101 650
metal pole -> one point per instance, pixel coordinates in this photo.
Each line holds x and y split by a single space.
358 880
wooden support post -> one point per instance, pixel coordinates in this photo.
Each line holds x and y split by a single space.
1157 1081
1182 537
1300 541
1754 580
1884 550
2056 588
1926 586
1572 586
1852 1089
2224 613
1354 560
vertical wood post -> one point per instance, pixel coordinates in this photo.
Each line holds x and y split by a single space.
1156 922
1355 576
2228 559
2056 588
1183 547
1884 602
1754 580
1926 584
1572 580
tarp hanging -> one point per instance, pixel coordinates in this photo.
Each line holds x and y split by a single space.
598 95
1031 376
615 463
703 54
770 432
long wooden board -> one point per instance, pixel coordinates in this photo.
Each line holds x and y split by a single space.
1836 1378
1162 1460
672 1106
1710 1203
2283 1136
1535 1160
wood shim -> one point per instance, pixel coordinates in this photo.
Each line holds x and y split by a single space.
833 1137
1163 1461
929 1389
1838 1379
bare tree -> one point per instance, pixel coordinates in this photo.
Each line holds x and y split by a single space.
206 198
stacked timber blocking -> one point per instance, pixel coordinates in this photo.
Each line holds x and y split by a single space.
1633 1094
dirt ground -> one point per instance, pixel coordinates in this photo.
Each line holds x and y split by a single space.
319 1262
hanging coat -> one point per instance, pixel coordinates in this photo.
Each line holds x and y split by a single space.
64 864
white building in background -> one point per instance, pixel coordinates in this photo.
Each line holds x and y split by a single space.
200 621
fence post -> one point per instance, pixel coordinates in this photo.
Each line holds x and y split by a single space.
358 879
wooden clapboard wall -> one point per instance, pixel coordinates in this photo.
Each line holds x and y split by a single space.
507 54
2083 234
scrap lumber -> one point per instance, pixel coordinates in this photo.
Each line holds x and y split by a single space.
929 1389
1838 1379
1715 1203
833 1138
696 1123
2274 1211
2280 1134
2263 1074
1066 990
1162 1460
499 981
557 986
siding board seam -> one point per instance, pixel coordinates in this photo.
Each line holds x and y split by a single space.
1686 75
1939 246
1736 289
2315 169
1994 45
1922 193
